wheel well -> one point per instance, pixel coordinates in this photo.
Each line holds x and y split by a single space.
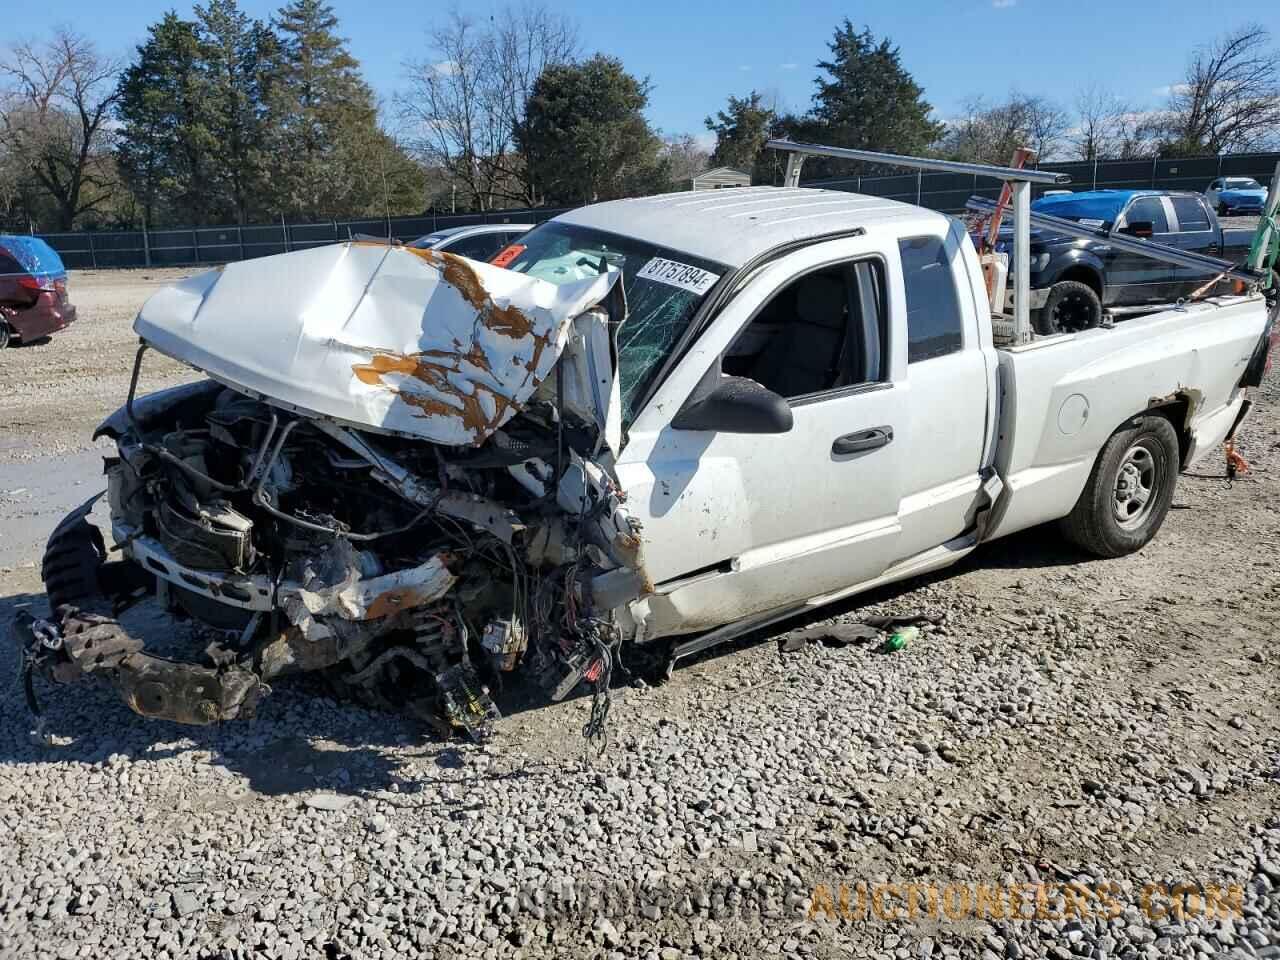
1177 410
1086 275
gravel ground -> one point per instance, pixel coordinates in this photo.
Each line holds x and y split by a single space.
1068 721
57 389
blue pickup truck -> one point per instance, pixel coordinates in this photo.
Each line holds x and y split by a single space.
1073 279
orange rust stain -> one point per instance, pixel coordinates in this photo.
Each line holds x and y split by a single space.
433 367
469 409
459 274
508 321
393 601
380 363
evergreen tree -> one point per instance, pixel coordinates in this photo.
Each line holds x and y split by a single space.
585 138
164 138
741 132
240 60
326 144
868 101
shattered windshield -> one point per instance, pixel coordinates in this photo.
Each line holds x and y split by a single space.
664 288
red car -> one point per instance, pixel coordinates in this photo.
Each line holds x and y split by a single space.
33 290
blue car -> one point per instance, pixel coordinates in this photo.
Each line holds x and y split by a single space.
1229 195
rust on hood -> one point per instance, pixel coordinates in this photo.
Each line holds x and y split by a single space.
403 340
460 275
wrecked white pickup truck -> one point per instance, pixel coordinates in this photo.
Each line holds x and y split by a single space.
680 416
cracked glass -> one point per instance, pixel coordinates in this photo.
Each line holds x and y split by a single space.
664 289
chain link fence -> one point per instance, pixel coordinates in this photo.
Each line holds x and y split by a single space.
192 246
948 192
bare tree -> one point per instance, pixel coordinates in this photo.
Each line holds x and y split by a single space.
1230 99
55 99
687 156
1099 117
465 101
990 134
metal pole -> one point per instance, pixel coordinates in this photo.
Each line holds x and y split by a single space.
919 186
284 232
195 244
1095 173
792 177
93 254
1021 261
240 238
915 163
146 244
1154 161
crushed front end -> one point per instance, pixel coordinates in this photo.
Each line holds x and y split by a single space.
440 526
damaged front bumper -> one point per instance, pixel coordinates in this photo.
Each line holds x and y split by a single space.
414 560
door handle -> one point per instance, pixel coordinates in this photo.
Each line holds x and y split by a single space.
863 440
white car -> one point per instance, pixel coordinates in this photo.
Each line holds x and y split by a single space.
1228 195
475 243
668 420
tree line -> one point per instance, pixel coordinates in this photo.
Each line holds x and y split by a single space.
222 118
1228 102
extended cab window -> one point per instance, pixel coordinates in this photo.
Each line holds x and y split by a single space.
933 309
823 331
1191 215
1148 208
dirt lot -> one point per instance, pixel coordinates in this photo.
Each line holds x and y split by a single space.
1068 721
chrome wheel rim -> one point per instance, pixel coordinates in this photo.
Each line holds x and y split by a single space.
1136 483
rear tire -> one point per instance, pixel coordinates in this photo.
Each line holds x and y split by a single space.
1129 491
6 334
1072 306
1223 210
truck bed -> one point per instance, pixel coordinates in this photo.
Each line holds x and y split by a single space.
1061 397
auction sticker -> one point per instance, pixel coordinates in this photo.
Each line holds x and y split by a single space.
507 254
676 274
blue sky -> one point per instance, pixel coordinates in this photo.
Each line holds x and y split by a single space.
697 54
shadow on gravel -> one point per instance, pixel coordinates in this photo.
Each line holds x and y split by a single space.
1035 548
302 739
37 342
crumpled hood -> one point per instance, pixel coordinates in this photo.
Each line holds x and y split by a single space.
415 342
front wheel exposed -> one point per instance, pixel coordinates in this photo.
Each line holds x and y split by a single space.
1129 491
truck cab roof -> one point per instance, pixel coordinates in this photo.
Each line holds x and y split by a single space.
734 225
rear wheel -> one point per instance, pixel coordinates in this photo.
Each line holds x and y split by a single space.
1129 491
1071 306
6 334
1222 210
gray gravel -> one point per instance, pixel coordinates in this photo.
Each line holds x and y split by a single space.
1067 721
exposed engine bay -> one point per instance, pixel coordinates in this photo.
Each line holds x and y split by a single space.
414 574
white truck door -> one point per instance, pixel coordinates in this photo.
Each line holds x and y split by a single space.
950 377
738 523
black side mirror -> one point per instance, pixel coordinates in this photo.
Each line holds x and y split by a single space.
1142 229
734 405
